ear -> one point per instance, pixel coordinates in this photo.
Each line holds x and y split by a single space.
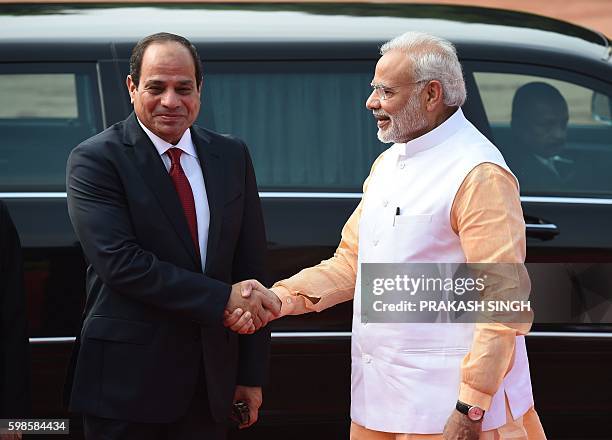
131 86
434 95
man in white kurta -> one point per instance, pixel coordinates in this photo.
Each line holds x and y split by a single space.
457 202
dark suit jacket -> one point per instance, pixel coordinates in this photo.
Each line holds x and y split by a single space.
151 314
14 353
535 177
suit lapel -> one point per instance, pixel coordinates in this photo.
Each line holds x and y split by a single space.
213 169
153 171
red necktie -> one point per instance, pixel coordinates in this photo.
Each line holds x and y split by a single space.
183 189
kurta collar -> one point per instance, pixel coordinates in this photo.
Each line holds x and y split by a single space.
435 137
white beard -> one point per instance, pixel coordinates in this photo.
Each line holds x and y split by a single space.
402 126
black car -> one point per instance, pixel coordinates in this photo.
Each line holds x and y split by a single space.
292 80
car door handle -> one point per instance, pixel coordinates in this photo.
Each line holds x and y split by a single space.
541 230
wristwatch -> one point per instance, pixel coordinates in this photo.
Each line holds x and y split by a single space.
474 413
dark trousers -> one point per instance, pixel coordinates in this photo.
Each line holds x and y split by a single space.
196 424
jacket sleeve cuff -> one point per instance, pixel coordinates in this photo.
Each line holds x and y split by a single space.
473 397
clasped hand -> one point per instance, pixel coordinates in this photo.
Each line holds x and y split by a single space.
250 307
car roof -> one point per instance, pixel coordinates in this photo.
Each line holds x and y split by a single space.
327 26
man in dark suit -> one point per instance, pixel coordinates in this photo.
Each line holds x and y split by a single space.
539 130
168 216
14 355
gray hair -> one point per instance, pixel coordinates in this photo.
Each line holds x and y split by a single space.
432 58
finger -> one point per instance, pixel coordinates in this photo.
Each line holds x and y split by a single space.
257 321
242 321
253 413
230 319
236 312
248 328
242 326
267 317
252 418
255 285
263 315
271 302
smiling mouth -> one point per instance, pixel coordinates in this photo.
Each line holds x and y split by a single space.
382 121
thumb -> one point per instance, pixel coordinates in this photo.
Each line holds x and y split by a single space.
246 287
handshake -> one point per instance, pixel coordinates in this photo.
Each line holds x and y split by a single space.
250 307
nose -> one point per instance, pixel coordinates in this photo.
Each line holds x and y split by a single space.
170 99
373 101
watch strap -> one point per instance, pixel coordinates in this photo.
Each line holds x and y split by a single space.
463 408
474 413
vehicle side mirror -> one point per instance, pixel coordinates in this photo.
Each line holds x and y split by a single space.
601 108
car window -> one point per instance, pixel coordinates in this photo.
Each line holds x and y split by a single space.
305 124
46 112
555 134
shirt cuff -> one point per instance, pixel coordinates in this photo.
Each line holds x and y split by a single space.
293 301
473 397
287 299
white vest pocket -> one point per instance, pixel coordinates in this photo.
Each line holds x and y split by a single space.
412 219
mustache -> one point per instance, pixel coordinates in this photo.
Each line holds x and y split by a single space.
380 113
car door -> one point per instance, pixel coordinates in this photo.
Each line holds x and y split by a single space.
48 108
566 194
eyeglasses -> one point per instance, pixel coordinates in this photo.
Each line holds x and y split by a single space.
383 92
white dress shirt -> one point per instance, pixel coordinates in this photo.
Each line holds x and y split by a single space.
192 169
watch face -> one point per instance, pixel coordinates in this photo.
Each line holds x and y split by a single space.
475 413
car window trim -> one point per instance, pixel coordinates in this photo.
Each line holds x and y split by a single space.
332 195
555 72
344 335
